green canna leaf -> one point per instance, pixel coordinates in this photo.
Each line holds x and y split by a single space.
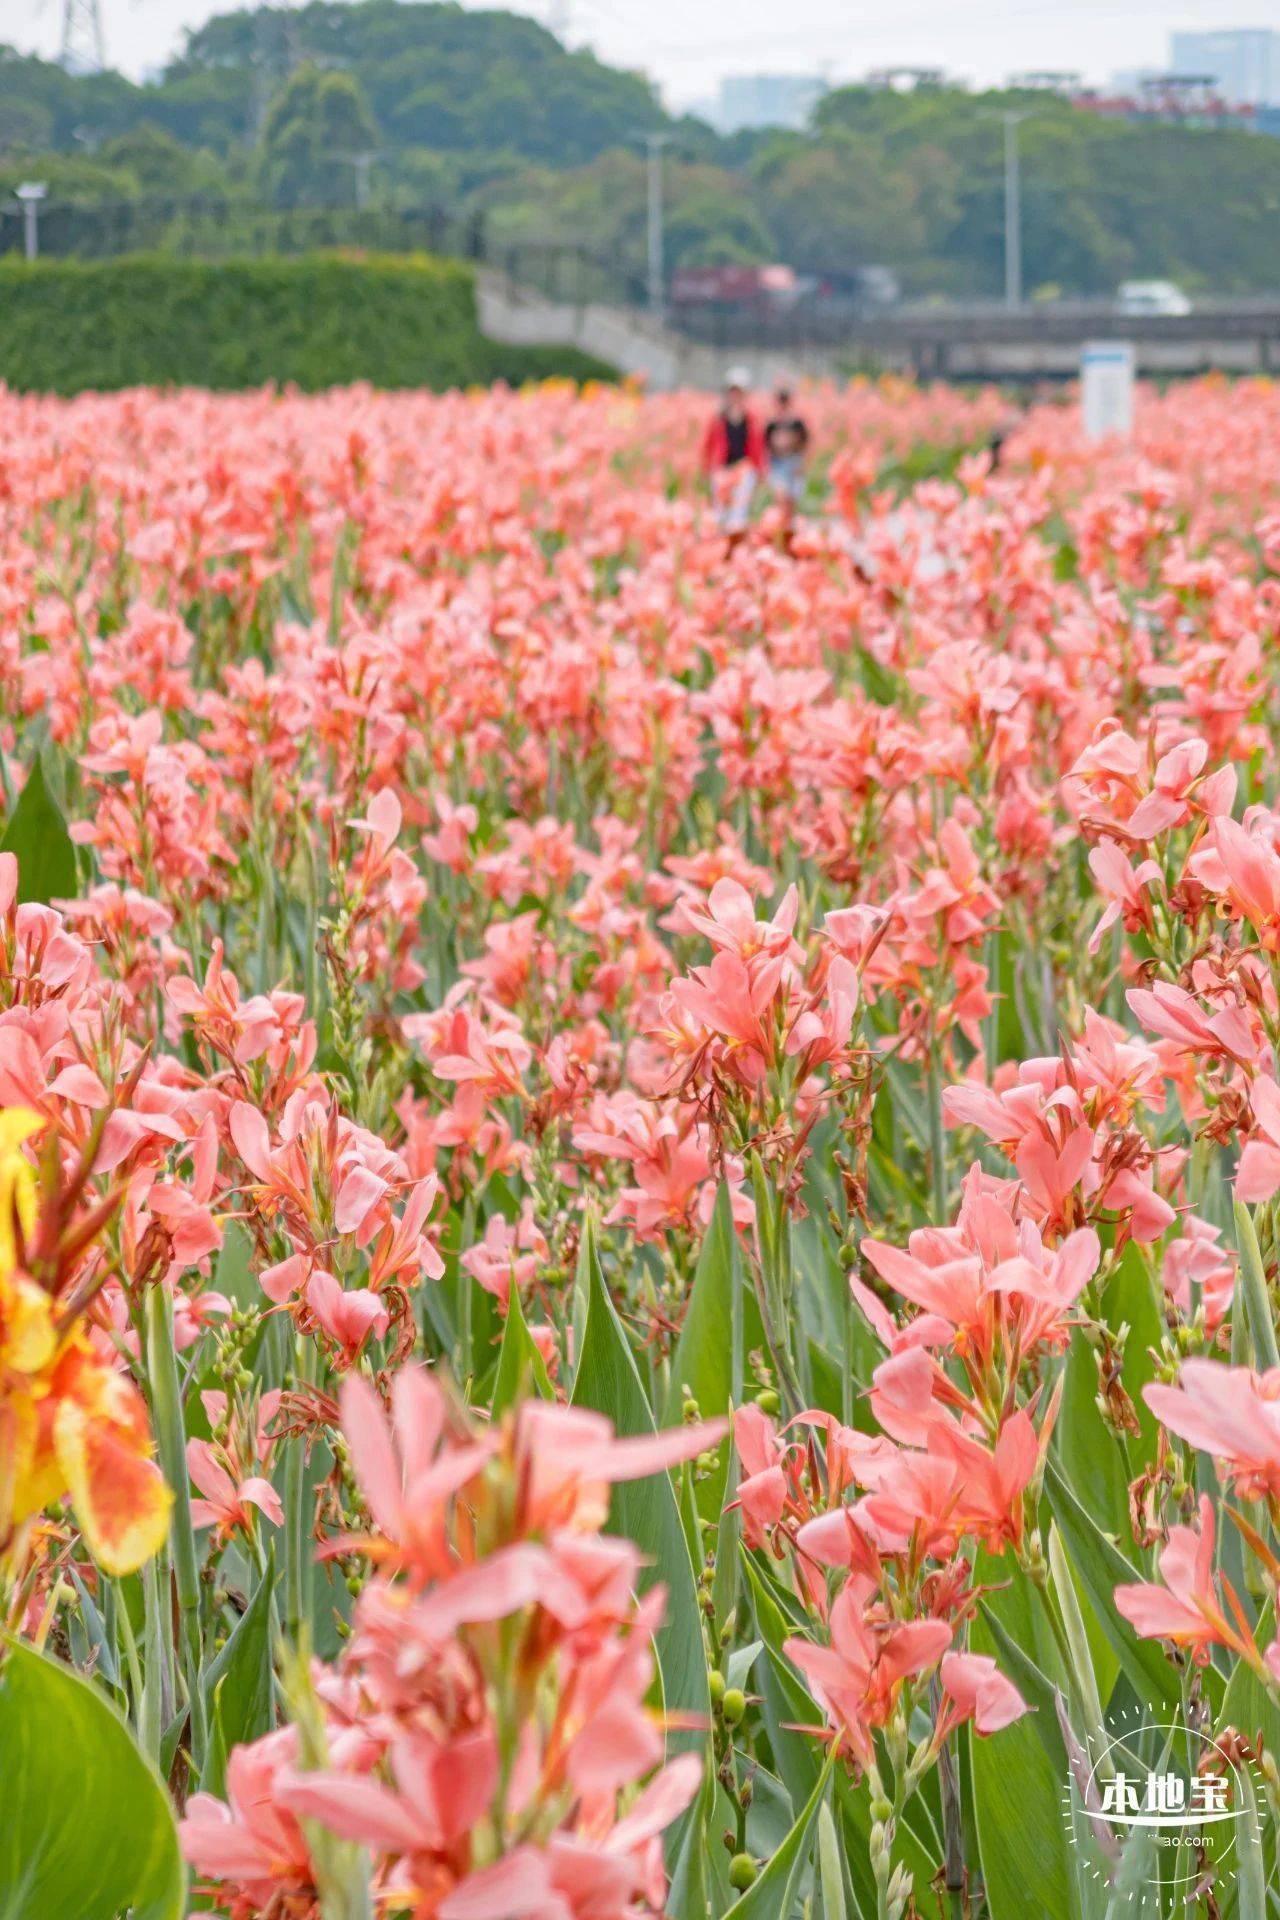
238 1683
830 1872
1251 1285
87 1831
609 1381
520 1365
704 1357
1017 1791
773 1895
1101 1568
37 833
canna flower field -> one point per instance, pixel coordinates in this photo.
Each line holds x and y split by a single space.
639 1248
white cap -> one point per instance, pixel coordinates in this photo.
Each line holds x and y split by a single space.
738 377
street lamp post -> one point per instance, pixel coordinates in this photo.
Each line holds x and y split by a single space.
29 195
654 143
363 164
1012 211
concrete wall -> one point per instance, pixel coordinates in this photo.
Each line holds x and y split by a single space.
632 342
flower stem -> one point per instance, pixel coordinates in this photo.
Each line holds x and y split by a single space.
937 1139
171 1440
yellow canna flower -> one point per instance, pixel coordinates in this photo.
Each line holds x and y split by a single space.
18 1195
71 1424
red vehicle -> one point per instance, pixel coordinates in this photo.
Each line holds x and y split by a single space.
735 286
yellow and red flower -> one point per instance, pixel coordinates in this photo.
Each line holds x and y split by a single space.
71 1424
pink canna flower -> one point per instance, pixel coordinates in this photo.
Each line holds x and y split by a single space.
506 1256
730 922
227 1503
407 1474
451 844
930 1499
1258 1175
1186 1608
1171 1011
1244 868
251 1843
857 1678
1125 888
975 1689
439 1791
1232 1413
989 1283
1195 1259
734 1001
349 1316
567 1458
763 1487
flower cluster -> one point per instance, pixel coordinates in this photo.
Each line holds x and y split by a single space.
486 1734
473 951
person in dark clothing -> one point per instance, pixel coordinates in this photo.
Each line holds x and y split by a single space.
999 438
734 454
786 443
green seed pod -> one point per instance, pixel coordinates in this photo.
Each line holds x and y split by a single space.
742 1872
733 1705
715 1686
768 1401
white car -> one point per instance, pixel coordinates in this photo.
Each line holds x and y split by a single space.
1153 296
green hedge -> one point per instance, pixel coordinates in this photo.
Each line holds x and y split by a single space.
317 320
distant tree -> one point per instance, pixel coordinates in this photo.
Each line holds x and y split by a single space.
314 123
710 217
438 76
25 125
486 109
161 164
69 177
213 109
713 223
841 204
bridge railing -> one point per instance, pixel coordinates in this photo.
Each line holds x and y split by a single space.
816 325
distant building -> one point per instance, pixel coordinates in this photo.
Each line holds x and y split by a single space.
1066 83
766 100
1243 62
1178 99
908 79
1129 81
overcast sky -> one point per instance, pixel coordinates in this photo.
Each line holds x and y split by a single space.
688 44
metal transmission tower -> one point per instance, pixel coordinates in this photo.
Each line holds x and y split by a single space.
84 49
274 57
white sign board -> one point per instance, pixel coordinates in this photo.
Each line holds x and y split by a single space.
1106 389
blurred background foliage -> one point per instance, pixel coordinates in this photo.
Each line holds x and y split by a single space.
486 113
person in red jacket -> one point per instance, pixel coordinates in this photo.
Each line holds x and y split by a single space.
734 454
